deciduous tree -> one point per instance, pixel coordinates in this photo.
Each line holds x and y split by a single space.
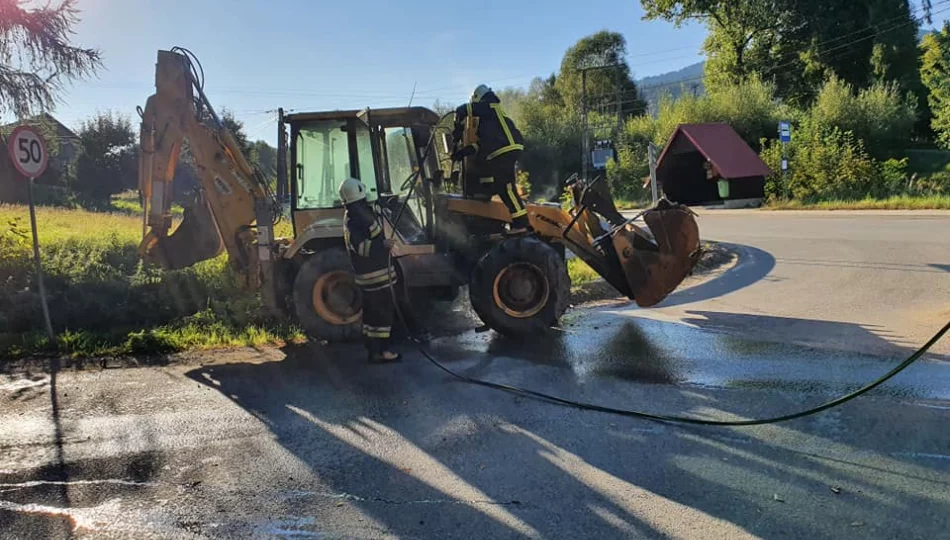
108 160
935 73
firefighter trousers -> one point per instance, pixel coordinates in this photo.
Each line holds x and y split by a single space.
378 314
501 181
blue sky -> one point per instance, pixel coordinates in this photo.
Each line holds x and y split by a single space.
320 54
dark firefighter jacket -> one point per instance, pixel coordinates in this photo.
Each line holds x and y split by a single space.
363 235
497 134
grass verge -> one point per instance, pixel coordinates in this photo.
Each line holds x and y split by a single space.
199 332
901 202
105 302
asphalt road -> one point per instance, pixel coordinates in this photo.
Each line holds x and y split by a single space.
311 443
876 282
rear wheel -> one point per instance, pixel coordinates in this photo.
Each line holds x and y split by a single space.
327 300
520 287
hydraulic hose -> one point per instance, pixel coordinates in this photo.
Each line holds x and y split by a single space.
646 415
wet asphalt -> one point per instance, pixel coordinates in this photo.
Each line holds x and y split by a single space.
309 442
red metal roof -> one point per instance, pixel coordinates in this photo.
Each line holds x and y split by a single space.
722 146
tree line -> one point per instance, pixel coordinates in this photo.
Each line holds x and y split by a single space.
108 161
854 78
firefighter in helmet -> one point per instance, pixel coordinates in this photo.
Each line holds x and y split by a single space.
496 147
369 254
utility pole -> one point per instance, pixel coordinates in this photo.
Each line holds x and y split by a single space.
619 104
585 141
281 158
652 158
585 106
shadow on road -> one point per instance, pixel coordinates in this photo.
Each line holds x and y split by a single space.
754 264
417 452
867 339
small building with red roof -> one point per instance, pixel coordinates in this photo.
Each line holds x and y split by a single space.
698 156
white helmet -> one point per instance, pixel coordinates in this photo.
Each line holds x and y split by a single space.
352 190
479 93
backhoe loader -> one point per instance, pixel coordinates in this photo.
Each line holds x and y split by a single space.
517 285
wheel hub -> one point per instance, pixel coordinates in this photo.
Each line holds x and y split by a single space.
521 290
336 298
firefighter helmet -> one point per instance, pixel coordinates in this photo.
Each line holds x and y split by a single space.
479 93
352 190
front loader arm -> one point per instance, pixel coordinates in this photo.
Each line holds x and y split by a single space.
232 208
644 266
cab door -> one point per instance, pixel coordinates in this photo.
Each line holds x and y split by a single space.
323 154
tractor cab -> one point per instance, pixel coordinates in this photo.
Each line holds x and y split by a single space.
384 148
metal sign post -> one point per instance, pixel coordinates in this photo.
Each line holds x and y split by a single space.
785 137
653 155
28 154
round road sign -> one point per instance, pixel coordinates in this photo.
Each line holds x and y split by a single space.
28 151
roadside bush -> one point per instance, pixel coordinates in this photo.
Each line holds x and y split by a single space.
891 180
937 183
880 115
827 163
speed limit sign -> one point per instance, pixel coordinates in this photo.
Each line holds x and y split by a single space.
28 151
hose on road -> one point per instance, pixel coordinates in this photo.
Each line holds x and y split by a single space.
641 414
683 419
420 345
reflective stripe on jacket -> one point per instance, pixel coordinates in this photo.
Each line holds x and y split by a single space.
497 134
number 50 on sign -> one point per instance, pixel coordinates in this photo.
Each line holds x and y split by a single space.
28 151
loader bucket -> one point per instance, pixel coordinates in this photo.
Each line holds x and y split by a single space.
656 263
196 239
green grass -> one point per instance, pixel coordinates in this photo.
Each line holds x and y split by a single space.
900 202
580 273
127 202
200 334
623 204
104 301
56 224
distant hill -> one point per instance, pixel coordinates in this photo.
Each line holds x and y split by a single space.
673 83
689 79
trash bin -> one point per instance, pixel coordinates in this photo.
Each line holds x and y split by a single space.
723 189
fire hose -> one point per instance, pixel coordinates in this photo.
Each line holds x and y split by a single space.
420 345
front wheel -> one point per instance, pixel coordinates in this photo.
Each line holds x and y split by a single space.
328 302
520 287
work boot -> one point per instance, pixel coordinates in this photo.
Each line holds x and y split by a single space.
385 357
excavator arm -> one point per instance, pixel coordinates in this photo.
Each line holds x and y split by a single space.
231 210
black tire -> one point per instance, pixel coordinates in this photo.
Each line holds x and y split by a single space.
529 256
331 263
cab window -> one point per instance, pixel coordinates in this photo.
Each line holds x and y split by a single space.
323 162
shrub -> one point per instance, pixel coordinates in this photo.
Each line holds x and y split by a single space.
879 115
891 180
827 163
937 183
